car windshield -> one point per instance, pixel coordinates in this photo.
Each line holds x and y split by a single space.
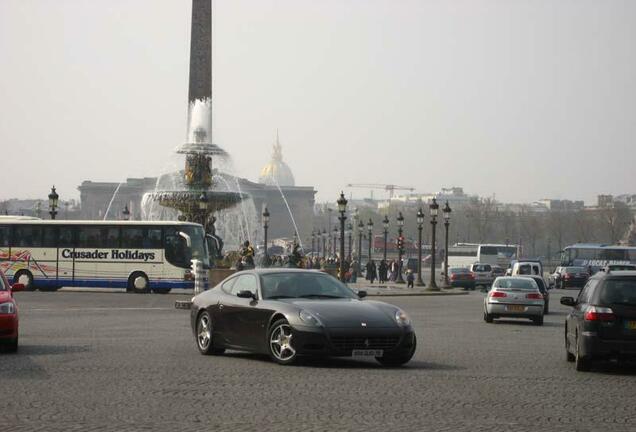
619 291
481 268
516 283
574 269
303 285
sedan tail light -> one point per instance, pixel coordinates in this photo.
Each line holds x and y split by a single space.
567 276
534 296
498 294
595 313
471 275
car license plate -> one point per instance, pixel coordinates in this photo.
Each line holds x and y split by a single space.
630 325
367 353
515 308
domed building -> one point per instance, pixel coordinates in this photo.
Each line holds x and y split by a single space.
277 172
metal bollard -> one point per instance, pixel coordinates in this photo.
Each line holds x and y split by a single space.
200 277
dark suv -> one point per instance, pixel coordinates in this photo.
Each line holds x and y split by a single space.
602 323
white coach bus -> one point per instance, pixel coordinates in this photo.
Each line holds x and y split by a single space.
465 254
138 256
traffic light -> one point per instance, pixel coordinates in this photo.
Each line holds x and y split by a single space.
400 242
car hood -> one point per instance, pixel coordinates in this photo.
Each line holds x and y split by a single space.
349 312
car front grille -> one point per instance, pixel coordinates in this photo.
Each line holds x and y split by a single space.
347 343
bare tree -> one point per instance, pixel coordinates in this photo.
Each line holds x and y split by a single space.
616 218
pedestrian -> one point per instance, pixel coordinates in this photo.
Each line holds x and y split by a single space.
410 278
382 269
354 271
371 271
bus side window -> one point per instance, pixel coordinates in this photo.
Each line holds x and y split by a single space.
131 237
66 237
109 238
49 236
4 236
152 239
27 236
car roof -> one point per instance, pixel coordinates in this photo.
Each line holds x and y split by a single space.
279 270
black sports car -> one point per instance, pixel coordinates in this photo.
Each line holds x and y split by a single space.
288 313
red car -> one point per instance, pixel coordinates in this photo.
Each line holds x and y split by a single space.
8 314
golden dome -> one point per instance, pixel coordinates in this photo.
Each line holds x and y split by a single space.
277 172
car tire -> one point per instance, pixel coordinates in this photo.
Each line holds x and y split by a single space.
398 360
11 345
538 321
546 309
581 363
488 317
203 335
138 283
27 279
279 343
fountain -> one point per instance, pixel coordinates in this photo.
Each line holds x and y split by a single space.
194 195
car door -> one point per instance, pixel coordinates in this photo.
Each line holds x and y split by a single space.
240 315
575 318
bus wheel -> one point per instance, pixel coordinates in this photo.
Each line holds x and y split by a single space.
138 283
25 278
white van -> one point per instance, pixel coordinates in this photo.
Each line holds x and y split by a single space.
521 268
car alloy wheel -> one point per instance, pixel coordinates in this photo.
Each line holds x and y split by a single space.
204 332
280 343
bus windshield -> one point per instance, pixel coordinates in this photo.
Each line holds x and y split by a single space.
177 251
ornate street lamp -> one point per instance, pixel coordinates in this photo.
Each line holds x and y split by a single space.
420 224
400 224
125 213
433 207
265 216
360 228
447 214
53 199
342 208
370 232
385 225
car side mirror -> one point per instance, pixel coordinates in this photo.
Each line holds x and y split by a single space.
246 294
362 294
17 287
568 301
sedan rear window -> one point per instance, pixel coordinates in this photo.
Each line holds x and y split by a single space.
619 291
575 269
458 270
516 283
482 268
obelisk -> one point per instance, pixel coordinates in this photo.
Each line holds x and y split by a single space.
199 124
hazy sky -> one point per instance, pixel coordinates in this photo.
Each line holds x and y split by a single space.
522 99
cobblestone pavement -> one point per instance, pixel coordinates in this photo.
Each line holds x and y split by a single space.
110 361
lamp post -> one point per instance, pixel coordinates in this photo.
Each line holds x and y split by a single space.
433 207
385 224
313 240
349 232
265 227
360 228
400 224
370 232
125 213
420 223
335 239
447 214
342 208
53 198
324 243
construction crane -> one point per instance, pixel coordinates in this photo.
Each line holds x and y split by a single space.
387 187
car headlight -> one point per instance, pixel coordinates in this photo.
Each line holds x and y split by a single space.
402 318
7 308
309 318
